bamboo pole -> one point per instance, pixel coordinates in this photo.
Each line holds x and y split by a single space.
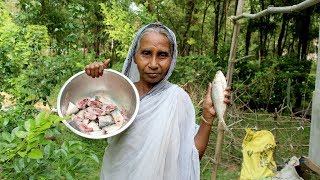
231 63
315 121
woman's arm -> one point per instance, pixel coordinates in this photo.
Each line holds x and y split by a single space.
202 137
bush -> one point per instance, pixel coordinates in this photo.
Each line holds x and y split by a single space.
27 153
266 85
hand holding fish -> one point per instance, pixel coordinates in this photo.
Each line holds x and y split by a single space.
95 69
208 106
208 114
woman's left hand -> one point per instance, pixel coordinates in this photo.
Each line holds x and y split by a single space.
208 107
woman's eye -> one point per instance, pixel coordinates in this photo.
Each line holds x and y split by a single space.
146 53
163 55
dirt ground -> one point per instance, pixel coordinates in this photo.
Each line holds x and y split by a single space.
8 102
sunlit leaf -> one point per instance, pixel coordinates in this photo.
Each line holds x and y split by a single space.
35 154
21 134
22 153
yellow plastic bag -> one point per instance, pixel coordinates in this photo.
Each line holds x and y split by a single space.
257 150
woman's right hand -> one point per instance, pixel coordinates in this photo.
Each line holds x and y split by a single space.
95 69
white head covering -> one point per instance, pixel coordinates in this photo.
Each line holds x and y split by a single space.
130 68
159 144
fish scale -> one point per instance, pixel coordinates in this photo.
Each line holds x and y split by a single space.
219 85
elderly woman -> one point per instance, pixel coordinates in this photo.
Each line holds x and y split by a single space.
163 142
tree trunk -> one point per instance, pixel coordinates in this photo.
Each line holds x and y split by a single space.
216 27
248 37
188 22
281 36
303 24
225 23
222 17
249 31
97 32
208 3
43 7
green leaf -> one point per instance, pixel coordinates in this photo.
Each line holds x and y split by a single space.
32 145
95 158
48 150
6 136
13 132
30 124
69 176
45 126
5 122
35 154
21 134
21 163
61 152
22 153
42 117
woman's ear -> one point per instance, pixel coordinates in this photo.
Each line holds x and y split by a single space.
134 58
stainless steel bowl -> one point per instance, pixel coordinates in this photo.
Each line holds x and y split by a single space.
112 84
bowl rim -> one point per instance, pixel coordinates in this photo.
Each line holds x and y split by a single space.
130 121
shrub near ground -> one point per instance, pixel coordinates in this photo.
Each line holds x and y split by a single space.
32 147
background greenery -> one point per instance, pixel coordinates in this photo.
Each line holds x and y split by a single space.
43 43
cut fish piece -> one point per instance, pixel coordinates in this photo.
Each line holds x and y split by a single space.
94 126
105 121
86 121
94 103
81 114
98 133
112 128
90 115
82 104
117 117
72 109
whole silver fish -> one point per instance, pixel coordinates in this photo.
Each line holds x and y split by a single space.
219 85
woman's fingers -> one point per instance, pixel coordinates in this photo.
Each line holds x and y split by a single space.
94 69
87 69
208 110
227 95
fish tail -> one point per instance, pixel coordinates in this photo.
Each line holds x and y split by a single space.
225 127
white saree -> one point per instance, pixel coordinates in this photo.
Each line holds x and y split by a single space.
159 144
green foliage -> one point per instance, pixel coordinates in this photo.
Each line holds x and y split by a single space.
265 85
56 16
27 152
198 70
122 22
37 38
26 140
38 80
13 116
13 53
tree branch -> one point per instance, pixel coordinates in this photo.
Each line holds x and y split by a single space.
271 10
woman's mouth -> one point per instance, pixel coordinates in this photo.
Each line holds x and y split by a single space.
153 75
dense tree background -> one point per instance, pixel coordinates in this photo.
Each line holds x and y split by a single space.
276 47
44 42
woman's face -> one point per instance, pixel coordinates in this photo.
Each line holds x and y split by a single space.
153 58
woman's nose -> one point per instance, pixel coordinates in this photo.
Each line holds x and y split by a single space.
153 63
